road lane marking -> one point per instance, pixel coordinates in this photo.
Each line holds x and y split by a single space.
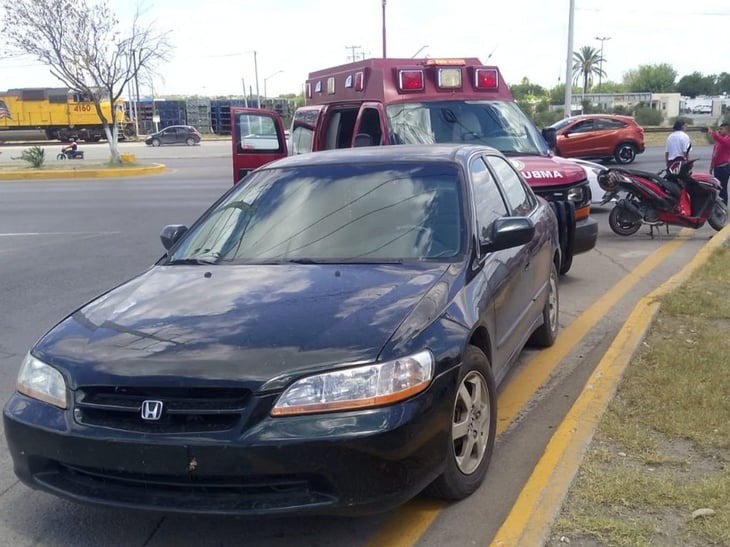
410 522
530 519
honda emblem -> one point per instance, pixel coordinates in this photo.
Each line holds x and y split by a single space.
151 410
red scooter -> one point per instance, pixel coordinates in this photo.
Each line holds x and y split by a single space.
675 196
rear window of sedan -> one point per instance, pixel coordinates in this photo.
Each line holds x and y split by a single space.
335 213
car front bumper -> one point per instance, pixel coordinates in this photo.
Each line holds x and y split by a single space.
341 463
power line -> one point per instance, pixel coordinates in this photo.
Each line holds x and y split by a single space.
354 55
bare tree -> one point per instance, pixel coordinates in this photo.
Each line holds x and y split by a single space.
81 43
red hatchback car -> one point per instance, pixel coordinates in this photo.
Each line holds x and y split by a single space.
604 136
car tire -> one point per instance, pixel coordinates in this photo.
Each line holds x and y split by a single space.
190 141
155 142
565 213
474 413
625 153
547 333
567 249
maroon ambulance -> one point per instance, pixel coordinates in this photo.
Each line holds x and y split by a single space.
406 101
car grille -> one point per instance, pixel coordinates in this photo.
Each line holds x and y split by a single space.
185 410
228 495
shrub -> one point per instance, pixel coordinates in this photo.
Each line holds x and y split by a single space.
35 155
646 115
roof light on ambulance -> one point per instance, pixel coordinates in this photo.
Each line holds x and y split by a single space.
411 80
486 78
449 78
359 81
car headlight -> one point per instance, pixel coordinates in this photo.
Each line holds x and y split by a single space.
41 381
360 387
576 194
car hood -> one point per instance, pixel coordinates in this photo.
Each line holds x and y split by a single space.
210 325
548 170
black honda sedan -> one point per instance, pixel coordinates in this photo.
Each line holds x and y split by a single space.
327 338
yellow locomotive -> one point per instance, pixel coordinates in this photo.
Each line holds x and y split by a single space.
60 112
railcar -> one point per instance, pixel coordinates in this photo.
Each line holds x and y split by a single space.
60 112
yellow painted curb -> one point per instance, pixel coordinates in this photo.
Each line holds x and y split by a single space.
110 172
531 518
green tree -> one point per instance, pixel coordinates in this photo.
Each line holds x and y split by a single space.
84 47
722 84
612 87
654 78
527 90
586 64
557 94
696 84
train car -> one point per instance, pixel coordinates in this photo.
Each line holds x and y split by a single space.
60 112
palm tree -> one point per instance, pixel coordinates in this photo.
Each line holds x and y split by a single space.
586 64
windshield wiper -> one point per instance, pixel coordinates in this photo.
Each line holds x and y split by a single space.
192 260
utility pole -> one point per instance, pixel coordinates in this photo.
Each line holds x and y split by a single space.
245 97
569 64
256 73
354 55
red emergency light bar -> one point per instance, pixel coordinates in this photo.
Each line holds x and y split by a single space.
486 78
411 79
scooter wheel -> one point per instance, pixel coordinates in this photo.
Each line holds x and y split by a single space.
622 222
718 216
61 157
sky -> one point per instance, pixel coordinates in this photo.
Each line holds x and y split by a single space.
215 40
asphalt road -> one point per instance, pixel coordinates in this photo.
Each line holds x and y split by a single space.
63 242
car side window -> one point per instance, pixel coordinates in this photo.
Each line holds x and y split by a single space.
520 198
488 201
301 139
582 127
613 124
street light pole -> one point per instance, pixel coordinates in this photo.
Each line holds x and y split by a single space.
600 62
569 64
266 96
384 54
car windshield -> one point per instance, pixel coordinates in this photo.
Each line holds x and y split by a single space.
500 124
334 213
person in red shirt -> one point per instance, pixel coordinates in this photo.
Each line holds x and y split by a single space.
71 146
720 162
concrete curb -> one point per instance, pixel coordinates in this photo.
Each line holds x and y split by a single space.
110 172
531 518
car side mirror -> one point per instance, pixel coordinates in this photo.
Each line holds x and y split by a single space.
550 136
505 233
171 234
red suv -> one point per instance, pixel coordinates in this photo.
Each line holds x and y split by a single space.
605 136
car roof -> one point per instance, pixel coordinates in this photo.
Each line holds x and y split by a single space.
594 116
387 154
